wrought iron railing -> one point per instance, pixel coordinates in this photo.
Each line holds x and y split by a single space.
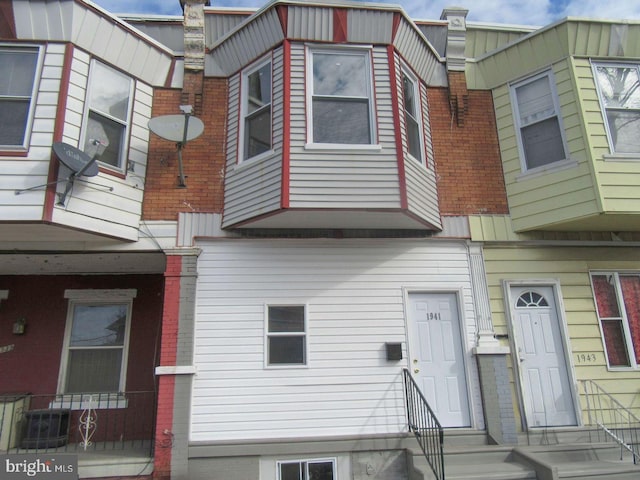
614 421
77 423
424 425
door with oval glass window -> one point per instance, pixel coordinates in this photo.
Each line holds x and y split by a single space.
547 390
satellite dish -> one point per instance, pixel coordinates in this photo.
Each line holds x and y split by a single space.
180 129
171 127
76 160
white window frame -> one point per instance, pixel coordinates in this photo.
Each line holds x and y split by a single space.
415 84
519 126
603 107
244 110
95 297
124 148
366 52
38 50
626 329
268 335
306 463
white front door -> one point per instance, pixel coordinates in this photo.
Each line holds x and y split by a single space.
437 356
546 387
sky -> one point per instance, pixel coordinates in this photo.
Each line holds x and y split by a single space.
518 12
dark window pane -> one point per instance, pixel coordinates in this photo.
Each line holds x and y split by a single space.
98 325
286 318
258 133
631 292
409 94
108 132
13 122
606 298
413 137
336 121
287 350
259 88
94 370
110 92
542 143
18 72
290 471
321 471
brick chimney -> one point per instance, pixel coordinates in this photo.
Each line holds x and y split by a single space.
194 52
456 61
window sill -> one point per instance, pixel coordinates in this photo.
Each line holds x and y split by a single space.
4 152
547 169
621 157
84 401
343 147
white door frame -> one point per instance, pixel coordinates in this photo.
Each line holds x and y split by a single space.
466 349
564 334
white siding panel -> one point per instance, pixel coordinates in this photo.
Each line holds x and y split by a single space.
370 26
355 303
310 23
416 50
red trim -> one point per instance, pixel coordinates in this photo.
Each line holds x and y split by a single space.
7 20
172 69
286 133
340 25
9 153
402 178
50 192
283 15
113 173
397 18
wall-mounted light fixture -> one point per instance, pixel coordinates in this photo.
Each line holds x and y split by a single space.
19 326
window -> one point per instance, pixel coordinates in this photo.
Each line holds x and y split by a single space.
17 89
307 470
96 341
617 297
410 92
107 115
256 110
286 337
341 97
536 114
619 91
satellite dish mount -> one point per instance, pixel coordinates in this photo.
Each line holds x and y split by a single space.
179 129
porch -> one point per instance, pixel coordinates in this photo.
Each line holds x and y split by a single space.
111 433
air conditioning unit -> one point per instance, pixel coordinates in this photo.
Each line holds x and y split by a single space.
47 428
12 408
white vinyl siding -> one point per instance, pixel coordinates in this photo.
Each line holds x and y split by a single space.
354 294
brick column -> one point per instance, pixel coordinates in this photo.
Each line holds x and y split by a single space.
176 367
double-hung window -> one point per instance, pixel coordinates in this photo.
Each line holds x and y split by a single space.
619 92
412 115
96 341
108 114
537 117
617 297
286 335
256 110
307 470
17 90
341 98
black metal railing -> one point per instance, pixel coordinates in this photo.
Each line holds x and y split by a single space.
78 423
424 425
614 421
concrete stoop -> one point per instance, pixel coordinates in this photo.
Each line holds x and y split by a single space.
580 461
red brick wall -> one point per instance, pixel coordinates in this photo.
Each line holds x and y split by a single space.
33 364
467 157
203 158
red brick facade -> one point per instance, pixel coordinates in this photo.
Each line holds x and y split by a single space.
468 165
203 158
